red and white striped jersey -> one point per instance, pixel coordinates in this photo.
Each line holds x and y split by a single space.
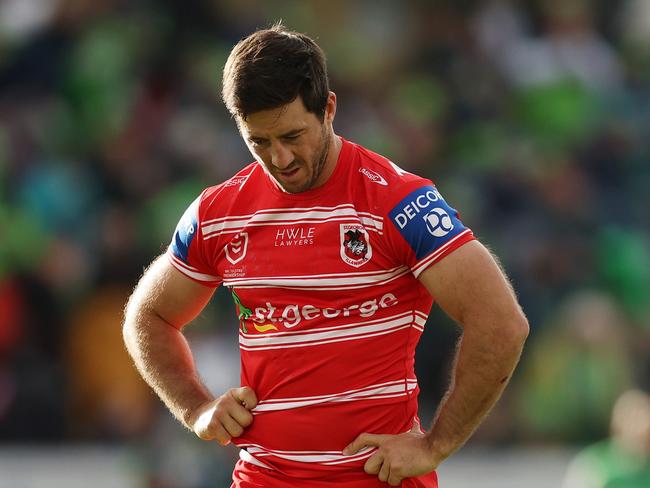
329 303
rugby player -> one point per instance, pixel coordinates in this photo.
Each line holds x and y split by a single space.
334 256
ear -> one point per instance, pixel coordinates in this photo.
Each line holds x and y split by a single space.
330 107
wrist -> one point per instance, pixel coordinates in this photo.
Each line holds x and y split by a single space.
439 449
194 411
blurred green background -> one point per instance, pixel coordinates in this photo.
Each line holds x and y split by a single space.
533 118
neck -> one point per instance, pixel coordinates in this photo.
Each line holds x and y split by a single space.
334 149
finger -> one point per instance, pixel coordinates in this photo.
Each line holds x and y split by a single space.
363 440
384 472
212 429
373 464
246 396
394 480
232 426
220 434
242 416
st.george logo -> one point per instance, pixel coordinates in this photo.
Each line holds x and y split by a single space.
236 249
355 244
438 222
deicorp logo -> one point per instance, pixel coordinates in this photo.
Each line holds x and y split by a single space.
425 220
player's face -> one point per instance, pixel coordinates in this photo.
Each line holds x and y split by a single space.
292 144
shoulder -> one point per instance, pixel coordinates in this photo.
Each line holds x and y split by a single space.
383 180
219 199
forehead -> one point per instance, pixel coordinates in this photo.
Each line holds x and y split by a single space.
278 121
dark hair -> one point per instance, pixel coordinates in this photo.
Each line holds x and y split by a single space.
271 68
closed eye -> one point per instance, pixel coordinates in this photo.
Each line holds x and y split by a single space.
257 142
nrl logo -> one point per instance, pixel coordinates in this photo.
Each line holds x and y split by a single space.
236 249
355 245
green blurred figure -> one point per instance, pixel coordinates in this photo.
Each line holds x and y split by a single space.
623 460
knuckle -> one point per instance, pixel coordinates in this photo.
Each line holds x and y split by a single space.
219 414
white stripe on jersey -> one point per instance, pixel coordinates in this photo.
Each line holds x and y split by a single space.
314 215
333 281
327 335
296 210
391 389
188 270
422 265
319 457
244 455
326 458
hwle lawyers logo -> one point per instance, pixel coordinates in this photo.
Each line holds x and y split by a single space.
294 236
236 248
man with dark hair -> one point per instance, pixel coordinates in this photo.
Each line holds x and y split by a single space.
333 255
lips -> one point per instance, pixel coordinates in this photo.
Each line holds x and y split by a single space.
289 175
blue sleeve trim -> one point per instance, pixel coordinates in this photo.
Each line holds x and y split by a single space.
425 220
186 229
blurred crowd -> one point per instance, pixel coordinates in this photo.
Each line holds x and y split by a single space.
533 118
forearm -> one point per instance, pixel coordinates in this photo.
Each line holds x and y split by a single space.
484 364
163 358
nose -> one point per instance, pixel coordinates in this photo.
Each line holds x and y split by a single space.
281 156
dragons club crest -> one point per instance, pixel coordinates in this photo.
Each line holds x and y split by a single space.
355 245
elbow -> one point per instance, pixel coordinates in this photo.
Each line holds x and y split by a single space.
518 329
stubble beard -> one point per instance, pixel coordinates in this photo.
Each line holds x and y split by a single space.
318 167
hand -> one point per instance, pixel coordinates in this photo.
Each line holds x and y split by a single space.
398 456
226 417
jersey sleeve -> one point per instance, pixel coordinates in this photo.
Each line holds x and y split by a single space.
187 249
423 228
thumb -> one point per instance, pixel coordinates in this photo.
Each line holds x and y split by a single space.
363 440
246 396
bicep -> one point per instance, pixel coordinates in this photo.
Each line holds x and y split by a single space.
166 292
470 287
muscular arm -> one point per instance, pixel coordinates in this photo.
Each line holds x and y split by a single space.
162 303
469 286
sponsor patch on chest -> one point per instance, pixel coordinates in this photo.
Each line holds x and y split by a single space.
294 236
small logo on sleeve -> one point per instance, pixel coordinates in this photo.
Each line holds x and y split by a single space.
185 232
355 244
425 220
374 177
439 222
